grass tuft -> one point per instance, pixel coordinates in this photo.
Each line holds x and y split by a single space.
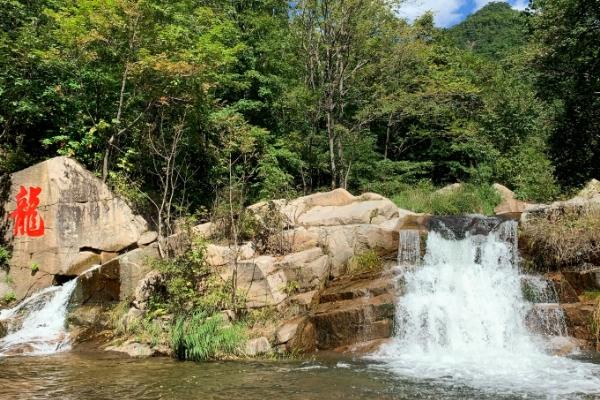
569 238
466 199
202 338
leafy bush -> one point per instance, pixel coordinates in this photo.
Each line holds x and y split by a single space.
466 199
202 338
4 256
9 298
367 261
569 238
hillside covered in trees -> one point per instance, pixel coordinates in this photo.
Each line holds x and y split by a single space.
183 106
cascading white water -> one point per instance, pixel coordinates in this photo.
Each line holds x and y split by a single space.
462 319
409 247
37 325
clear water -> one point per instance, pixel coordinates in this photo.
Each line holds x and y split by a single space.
72 376
462 322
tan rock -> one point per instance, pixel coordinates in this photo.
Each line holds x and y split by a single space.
217 255
133 349
300 239
206 230
147 237
133 267
79 213
508 204
342 242
450 188
363 212
82 261
258 346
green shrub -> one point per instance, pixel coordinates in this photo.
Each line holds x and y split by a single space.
9 298
201 338
35 267
4 256
466 199
146 329
367 261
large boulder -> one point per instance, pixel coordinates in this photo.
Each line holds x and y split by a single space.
359 212
509 204
587 198
63 218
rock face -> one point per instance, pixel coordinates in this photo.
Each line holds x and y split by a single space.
354 310
587 198
320 233
63 220
508 204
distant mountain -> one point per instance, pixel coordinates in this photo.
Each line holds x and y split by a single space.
493 31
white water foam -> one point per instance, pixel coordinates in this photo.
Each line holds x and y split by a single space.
37 325
462 320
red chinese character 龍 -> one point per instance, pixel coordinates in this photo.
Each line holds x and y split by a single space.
27 220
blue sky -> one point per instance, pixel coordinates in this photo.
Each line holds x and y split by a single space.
449 12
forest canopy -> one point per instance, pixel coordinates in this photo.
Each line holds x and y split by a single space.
177 100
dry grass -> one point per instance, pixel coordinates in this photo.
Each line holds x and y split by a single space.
568 238
367 261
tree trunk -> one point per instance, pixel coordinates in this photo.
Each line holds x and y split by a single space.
387 137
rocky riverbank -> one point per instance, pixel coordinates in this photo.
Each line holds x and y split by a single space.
317 272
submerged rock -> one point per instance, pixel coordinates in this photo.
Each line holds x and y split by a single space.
258 346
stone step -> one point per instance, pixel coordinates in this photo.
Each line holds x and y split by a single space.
346 322
353 289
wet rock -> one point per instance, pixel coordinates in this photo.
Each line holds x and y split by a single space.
3 329
258 346
134 349
578 317
582 281
348 322
364 348
564 290
564 346
100 286
298 335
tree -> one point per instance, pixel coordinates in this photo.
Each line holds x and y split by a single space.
494 31
566 34
337 39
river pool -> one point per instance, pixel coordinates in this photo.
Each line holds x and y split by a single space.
97 376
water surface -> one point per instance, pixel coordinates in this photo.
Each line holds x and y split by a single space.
94 376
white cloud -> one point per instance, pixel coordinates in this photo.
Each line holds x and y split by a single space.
446 12
520 4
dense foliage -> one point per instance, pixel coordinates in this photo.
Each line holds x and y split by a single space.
495 31
182 105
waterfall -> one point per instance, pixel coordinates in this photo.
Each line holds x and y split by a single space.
463 318
37 325
409 247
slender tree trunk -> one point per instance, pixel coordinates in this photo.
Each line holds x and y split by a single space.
331 138
387 137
